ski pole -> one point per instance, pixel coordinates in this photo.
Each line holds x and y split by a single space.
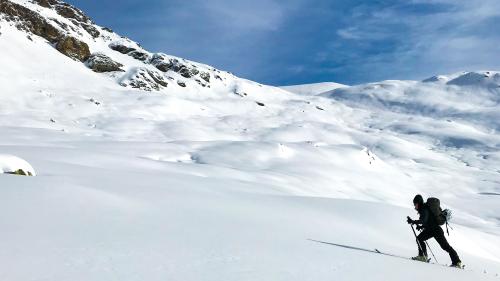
431 252
418 242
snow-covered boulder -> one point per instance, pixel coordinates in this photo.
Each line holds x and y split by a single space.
10 164
144 79
99 62
122 47
139 55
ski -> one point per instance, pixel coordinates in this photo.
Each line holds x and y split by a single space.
377 251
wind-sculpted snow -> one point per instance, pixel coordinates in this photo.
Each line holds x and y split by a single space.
191 173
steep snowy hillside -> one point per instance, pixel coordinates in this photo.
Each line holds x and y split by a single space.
152 167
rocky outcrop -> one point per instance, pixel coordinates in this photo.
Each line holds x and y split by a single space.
144 79
205 76
76 16
131 51
138 55
29 21
122 48
164 64
73 48
46 3
101 63
68 30
161 62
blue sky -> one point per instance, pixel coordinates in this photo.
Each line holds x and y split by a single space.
304 41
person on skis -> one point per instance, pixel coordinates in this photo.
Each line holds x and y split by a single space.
430 228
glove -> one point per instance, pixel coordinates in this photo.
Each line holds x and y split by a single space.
409 220
420 227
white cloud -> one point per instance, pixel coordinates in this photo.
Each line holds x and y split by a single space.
446 40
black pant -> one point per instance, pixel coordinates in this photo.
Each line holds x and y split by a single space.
438 234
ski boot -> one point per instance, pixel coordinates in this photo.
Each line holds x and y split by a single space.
458 265
421 258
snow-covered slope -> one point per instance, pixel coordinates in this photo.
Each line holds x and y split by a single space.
147 171
313 89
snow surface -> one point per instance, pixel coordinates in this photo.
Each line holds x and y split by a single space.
206 184
313 89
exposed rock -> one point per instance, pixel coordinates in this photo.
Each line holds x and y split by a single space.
205 76
182 84
20 172
29 20
74 14
260 103
240 94
101 63
138 55
121 48
63 25
184 72
92 100
71 12
46 3
73 48
91 30
107 29
163 63
158 78
144 79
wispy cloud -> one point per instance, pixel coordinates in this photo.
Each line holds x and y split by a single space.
298 41
423 37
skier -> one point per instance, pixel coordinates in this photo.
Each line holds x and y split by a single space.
427 222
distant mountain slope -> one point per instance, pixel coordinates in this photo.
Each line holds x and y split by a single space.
313 89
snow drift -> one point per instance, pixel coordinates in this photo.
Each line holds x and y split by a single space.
14 165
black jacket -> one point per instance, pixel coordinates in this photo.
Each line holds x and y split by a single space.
426 219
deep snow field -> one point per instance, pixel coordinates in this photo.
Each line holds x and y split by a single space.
205 184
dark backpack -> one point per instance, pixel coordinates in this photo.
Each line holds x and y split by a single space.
434 206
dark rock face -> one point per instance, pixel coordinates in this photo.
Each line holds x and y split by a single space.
145 79
30 21
182 84
163 63
205 76
121 48
138 55
91 30
71 12
127 50
75 15
46 3
73 48
101 63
